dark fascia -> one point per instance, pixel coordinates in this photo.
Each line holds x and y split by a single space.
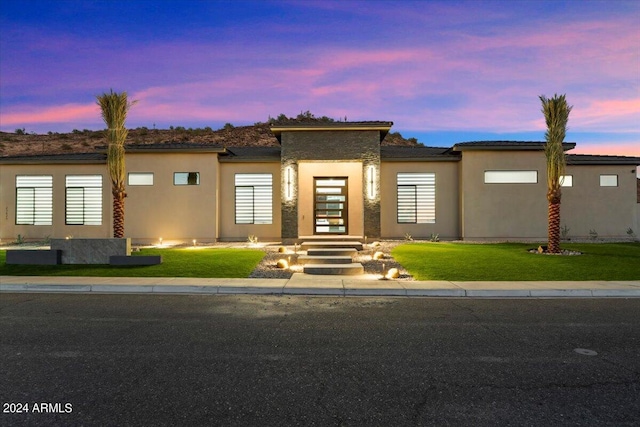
383 127
175 147
74 158
592 159
506 145
251 154
389 153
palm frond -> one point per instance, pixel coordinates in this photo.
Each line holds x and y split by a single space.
556 113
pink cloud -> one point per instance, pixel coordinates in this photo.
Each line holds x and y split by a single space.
63 113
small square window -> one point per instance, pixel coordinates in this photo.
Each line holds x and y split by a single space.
136 178
186 178
566 181
608 180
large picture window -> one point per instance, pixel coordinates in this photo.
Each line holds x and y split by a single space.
416 198
254 198
83 200
34 199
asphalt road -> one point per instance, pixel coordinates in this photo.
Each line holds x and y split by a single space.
277 361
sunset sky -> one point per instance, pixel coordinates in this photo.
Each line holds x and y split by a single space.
442 71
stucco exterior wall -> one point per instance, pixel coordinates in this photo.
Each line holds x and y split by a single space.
609 211
177 213
502 211
9 230
447 224
229 230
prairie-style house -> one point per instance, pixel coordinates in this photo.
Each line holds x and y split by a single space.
324 179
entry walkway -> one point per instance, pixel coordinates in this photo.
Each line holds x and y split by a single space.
301 284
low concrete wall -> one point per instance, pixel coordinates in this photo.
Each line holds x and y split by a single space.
90 251
33 257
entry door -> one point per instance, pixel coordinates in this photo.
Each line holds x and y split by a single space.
330 205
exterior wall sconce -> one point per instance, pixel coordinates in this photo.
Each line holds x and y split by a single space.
288 183
371 180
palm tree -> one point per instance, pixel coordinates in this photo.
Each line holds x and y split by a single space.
114 108
556 113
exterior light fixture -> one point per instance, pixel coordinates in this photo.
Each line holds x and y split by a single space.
289 183
371 179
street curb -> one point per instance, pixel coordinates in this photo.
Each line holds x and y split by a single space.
345 291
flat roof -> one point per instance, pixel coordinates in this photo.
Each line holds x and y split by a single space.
95 158
400 153
381 126
506 145
591 159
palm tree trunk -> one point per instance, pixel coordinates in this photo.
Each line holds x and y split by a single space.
554 226
118 216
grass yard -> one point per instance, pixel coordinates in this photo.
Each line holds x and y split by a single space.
182 262
511 261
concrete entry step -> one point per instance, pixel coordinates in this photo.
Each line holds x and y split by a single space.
332 252
324 259
352 269
330 244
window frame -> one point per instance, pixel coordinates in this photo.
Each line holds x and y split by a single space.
38 210
564 183
523 180
609 175
187 183
140 174
91 201
264 214
424 197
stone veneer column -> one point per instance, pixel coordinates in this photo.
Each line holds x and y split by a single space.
338 145
289 205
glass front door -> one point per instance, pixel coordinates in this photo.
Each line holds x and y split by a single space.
330 205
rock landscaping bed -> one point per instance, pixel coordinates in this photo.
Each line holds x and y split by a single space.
267 268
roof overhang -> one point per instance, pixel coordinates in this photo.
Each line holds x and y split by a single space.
382 127
507 146
56 159
601 160
175 148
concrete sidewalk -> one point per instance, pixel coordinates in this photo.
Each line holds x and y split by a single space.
301 284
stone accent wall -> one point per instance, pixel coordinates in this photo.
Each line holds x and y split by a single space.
90 251
338 145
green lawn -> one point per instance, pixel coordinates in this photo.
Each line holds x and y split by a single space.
511 261
183 262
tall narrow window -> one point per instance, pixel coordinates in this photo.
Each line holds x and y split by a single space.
254 198
416 198
34 199
84 200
